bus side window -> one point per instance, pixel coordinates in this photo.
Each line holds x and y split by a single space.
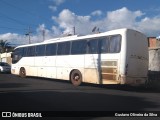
115 44
25 51
31 51
92 46
79 47
40 50
21 52
17 55
51 49
63 48
104 45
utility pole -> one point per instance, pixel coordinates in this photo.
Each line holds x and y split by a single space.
43 33
74 30
29 34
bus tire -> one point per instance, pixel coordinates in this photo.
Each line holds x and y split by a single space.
22 73
76 77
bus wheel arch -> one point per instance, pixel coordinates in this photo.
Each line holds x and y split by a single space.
22 72
76 77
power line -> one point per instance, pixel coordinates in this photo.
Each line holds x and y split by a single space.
12 28
23 10
15 20
20 22
12 19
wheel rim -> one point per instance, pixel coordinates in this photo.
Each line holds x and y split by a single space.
23 73
76 77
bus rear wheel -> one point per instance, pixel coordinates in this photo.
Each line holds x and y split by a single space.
76 77
22 73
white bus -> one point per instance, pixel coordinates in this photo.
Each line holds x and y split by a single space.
114 57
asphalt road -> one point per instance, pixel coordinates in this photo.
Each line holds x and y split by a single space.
40 94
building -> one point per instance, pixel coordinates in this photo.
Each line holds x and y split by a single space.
153 42
154 59
5 57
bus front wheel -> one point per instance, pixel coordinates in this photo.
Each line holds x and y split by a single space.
76 77
22 73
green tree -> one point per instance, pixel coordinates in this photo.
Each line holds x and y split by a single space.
3 45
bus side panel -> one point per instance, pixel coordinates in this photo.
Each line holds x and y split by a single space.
50 66
102 68
91 74
28 63
40 66
45 66
65 64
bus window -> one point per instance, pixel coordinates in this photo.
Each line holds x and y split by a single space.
40 50
17 55
115 44
63 48
31 51
51 49
79 47
92 46
104 45
25 51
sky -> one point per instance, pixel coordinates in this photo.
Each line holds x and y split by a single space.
53 18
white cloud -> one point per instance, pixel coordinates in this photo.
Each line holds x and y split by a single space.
13 38
56 31
58 2
96 13
17 39
123 18
150 26
53 8
84 24
67 19
55 4
42 31
120 18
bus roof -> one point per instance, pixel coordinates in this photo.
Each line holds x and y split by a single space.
77 37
